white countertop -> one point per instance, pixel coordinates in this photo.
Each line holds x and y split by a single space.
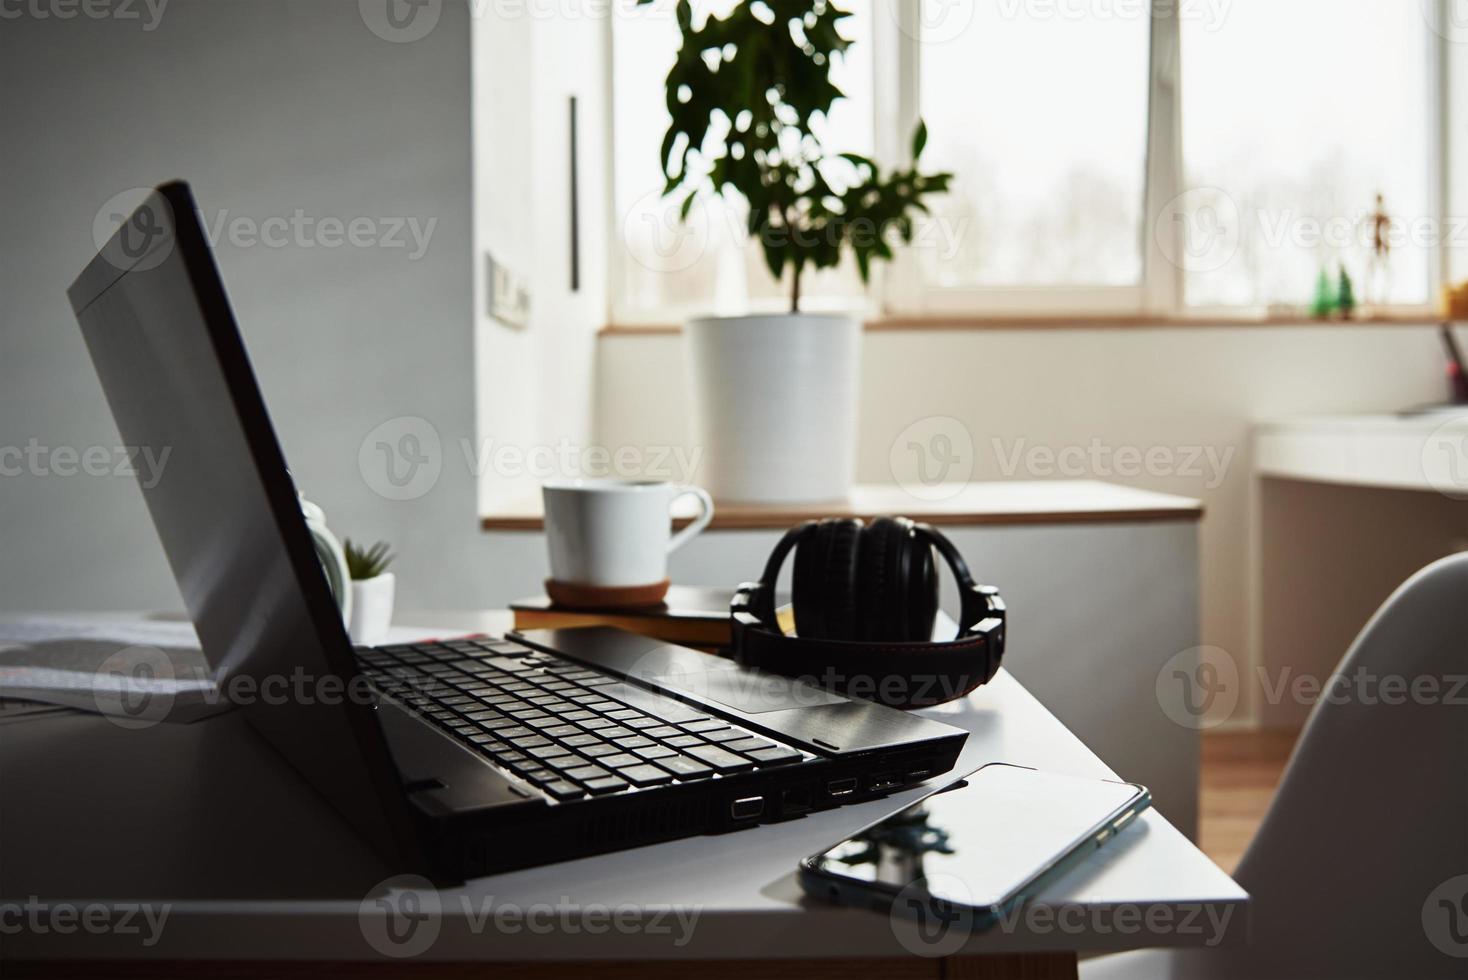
1427 451
254 865
1000 502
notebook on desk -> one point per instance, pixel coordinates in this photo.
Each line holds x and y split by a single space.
691 615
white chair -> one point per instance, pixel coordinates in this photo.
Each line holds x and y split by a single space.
1371 817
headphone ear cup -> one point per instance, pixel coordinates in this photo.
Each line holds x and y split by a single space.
825 582
878 574
922 591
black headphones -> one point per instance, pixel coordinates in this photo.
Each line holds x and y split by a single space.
865 599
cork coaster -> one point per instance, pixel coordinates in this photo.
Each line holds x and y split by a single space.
574 595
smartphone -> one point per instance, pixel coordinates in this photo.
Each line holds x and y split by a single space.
976 848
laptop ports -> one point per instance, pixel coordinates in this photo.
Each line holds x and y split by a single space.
841 787
885 780
747 808
795 799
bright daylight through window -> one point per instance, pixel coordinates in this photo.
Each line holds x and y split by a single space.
1305 158
671 268
1050 174
1296 115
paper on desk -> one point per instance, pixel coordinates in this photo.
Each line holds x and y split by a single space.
134 669
139 670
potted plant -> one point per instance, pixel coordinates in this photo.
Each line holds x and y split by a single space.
776 395
372 591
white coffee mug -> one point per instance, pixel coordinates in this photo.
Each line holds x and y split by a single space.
616 533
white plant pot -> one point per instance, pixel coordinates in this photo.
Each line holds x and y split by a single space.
372 601
775 401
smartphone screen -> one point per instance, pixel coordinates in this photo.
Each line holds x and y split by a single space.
987 839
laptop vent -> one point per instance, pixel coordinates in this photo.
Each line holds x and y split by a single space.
654 821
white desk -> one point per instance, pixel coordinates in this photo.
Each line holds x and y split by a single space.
1345 508
255 866
1101 582
994 504
1427 451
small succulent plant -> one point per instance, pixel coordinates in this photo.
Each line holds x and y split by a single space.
366 563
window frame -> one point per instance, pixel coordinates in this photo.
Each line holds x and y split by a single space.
902 292
896 291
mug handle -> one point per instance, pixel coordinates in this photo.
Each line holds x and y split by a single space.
332 556
706 508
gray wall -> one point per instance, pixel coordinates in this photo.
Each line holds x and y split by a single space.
267 107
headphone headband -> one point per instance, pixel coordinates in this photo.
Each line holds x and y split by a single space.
762 599
976 602
899 674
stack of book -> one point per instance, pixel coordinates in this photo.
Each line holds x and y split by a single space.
688 616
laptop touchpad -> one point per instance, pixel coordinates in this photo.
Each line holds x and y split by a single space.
750 691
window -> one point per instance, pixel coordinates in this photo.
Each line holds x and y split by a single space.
668 271
1169 157
1296 115
1453 26
1050 174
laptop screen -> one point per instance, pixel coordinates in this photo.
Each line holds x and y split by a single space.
173 367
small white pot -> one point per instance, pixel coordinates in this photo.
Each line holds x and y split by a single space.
775 401
372 601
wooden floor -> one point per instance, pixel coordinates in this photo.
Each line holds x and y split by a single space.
1240 773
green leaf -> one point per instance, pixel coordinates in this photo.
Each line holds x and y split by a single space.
770 62
774 259
366 563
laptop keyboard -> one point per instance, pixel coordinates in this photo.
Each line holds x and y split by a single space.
570 730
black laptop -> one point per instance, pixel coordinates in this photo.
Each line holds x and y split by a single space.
460 757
